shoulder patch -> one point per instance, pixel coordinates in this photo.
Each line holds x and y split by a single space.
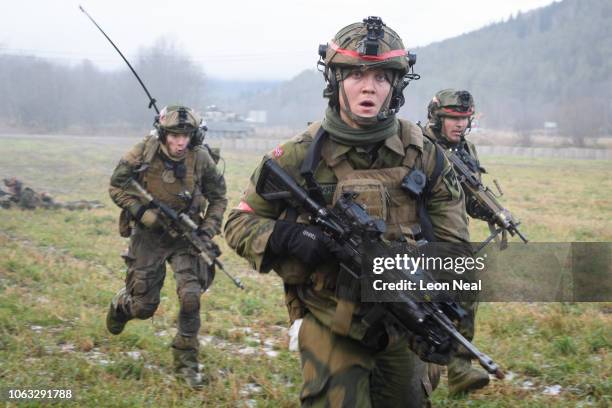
452 184
244 206
277 152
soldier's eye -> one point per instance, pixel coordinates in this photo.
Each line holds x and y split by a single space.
356 74
380 77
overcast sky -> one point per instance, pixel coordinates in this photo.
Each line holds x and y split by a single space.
265 39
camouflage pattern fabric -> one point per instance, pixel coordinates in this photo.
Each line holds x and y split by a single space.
250 224
26 198
201 193
82 205
460 365
346 49
340 370
472 207
179 119
451 103
146 262
210 183
471 307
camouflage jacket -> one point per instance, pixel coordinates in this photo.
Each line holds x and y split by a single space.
145 162
473 208
251 223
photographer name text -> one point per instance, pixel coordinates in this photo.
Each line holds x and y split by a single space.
404 284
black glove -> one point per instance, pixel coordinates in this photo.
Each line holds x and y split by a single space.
439 355
306 242
204 233
212 249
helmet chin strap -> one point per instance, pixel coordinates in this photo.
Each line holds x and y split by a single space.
367 121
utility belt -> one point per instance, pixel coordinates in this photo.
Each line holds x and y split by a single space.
368 323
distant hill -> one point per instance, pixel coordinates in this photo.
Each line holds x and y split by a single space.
225 92
526 69
294 102
550 64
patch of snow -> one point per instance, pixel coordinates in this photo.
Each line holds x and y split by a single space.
552 390
135 355
527 385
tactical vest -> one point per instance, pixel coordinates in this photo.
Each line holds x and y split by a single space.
157 176
160 181
381 193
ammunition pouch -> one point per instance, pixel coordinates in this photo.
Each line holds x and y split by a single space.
125 223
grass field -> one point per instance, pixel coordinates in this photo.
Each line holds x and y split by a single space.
59 269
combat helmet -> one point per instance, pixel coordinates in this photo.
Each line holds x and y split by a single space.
366 45
450 103
180 119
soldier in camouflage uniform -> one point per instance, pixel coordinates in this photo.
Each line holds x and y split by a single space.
173 166
449 118
365 148
27 198
12 193
450 114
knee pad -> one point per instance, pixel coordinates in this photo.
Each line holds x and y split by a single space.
190 302
141 310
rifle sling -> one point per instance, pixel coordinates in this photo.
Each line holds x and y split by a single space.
426 225
310 163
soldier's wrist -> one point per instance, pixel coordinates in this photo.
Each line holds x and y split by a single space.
206 230
137 210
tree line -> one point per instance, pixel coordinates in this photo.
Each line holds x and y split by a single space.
553 64
43 96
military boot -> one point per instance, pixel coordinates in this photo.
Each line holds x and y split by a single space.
186 368
115 319
462 377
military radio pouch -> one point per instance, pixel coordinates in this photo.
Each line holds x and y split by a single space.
125 228
414 183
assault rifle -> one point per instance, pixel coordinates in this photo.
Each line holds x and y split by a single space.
350 226
499 218
181 225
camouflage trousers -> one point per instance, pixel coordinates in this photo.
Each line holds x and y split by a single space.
340 372
146 261
467 327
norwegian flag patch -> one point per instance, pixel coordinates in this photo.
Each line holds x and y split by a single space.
278 152
243 206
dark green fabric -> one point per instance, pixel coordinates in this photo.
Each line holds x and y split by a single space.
342 133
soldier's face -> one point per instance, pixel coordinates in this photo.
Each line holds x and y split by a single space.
453 128
366 92
177 143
